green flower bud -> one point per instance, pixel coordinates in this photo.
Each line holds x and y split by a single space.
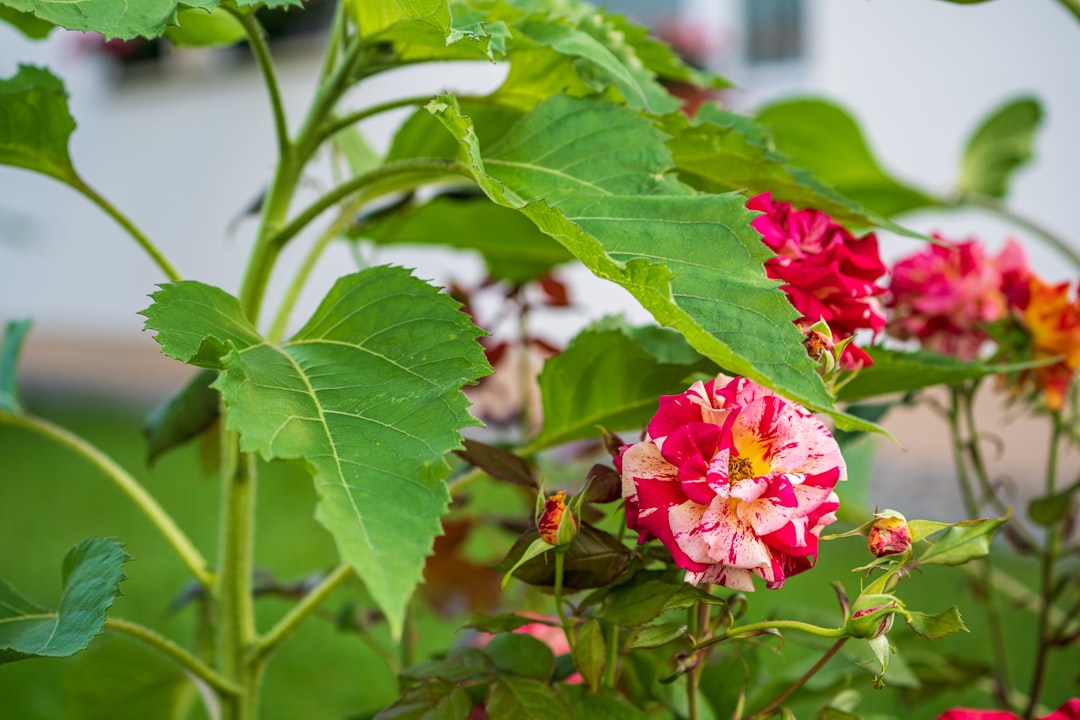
872 616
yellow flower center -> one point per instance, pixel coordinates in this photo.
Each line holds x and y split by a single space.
739 468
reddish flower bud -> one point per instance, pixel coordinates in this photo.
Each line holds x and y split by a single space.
889 535
556 525
872 616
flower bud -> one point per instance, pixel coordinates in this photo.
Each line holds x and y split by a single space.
872 616
557 526
889 535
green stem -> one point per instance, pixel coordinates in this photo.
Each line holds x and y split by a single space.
285 627
611 669
779 699
333 42
259 49
144 242
236 615
962 401
307 266
699 623
1045 637
347 188
167 647
128 485
999 209
771 625
560 565
338 124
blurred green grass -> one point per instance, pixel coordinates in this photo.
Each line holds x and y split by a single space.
50 499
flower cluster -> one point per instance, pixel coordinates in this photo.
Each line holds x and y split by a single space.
1070 710
735 481
947 296
827 273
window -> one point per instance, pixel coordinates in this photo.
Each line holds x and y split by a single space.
774 30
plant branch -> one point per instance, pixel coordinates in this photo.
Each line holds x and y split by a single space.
285 627
257 42
338 124
167 647
128 485
144 242
415 165
753 628
999 209
779 699
1045 637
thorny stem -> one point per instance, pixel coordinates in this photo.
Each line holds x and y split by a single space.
1045 638
699 622
560 565
779 699
144 242
127 484
166 646
770 625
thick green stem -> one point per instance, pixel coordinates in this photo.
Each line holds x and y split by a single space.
128 485
301 611
236 615
1045 635
611 669
144 242
189 662
259 49
560 564
779 699
699 623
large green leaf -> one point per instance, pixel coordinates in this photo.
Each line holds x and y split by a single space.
432 700
512 247
92 572
32 27
594 176
122 18
821 135
721 151
35 123
414 18
514 698
895 371
10 347
611 376
1003 142
367 395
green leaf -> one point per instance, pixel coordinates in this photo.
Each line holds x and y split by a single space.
512 248
593 559
198 27
182 417
1003 142
367 395
432 700
649 595
937 626
35 124
616 213
607 704
499 463
820 135
424 17
962 544
92 572
521 654
30 26
590 653
721 151
513 698
121 679
612 376
652 636
466 664
660 58
1049 510
10 347
895 371
499 623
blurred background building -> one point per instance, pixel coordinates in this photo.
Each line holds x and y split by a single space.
182 142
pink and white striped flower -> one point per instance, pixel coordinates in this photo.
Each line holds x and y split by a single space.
735 481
